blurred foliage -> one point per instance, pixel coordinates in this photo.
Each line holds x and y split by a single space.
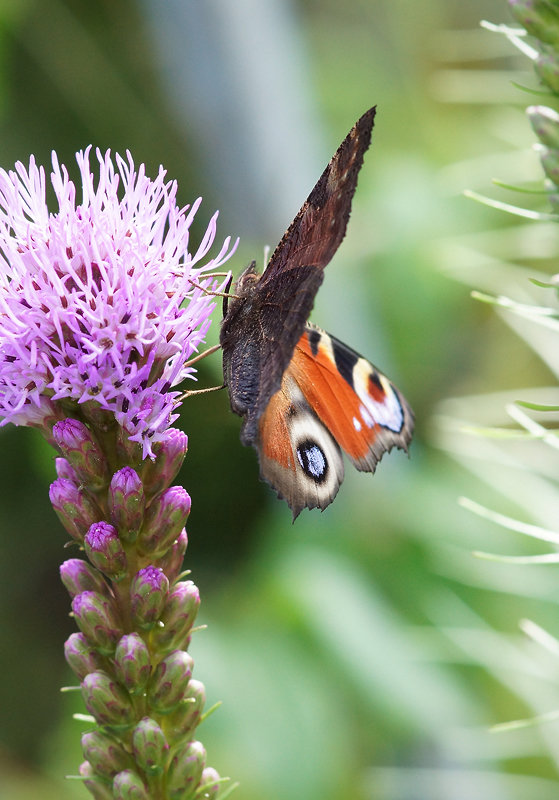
361 653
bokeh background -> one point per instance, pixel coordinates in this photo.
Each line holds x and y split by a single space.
363 652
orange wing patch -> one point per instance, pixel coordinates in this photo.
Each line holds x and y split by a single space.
331 397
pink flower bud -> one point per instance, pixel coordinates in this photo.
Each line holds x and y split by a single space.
126 503
104 754
107 701
150 746
165 518
171 562
169 683
81 656
74 507
210 784
97 620
169 455
182 723
78 576
100 788
185 771
148 595
128 785
105 550
78 445
178 617
132 663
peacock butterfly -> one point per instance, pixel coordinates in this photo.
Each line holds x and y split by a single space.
303 395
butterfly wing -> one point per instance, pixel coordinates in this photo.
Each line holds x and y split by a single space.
330 398
266 319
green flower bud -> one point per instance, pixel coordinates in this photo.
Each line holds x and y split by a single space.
78 445
169 682
78 576
105 755
128 452
550 163
150 746
539 17
165 518
81 656
210 783
169 455
105 551
177 618
128 785
74 507
547 68
182 723
132 663
545 123
95 617
126 503
185 771
171 561
100 788
107 701
148 595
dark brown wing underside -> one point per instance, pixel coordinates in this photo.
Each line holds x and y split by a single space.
265 322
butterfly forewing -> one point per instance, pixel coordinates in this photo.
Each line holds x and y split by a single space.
266 319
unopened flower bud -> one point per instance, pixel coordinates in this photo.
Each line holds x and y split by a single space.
74 507
545 122
171 561
99 788
150 746
182 723
178 617
148 595
105 550
547 68
105 755
65 470
169 682
550 162
132 663
127 451
126 503
164 520
539 17
169 455
107 701
185 771
96 619
128 785
78 445
78 576
210 783
82 658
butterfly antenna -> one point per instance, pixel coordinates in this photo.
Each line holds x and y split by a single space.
200 356
192 392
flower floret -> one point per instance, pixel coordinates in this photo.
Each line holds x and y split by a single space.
101 299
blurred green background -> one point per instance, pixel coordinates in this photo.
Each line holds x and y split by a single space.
363 652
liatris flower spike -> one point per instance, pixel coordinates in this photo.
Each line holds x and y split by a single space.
101 307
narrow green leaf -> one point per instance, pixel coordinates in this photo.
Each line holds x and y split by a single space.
510 209
534 531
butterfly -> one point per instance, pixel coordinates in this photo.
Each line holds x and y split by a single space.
303 395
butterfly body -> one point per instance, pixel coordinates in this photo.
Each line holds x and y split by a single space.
305 396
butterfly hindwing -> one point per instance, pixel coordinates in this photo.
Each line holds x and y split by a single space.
331 398
298 456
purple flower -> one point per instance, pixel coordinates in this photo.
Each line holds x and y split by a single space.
92 295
